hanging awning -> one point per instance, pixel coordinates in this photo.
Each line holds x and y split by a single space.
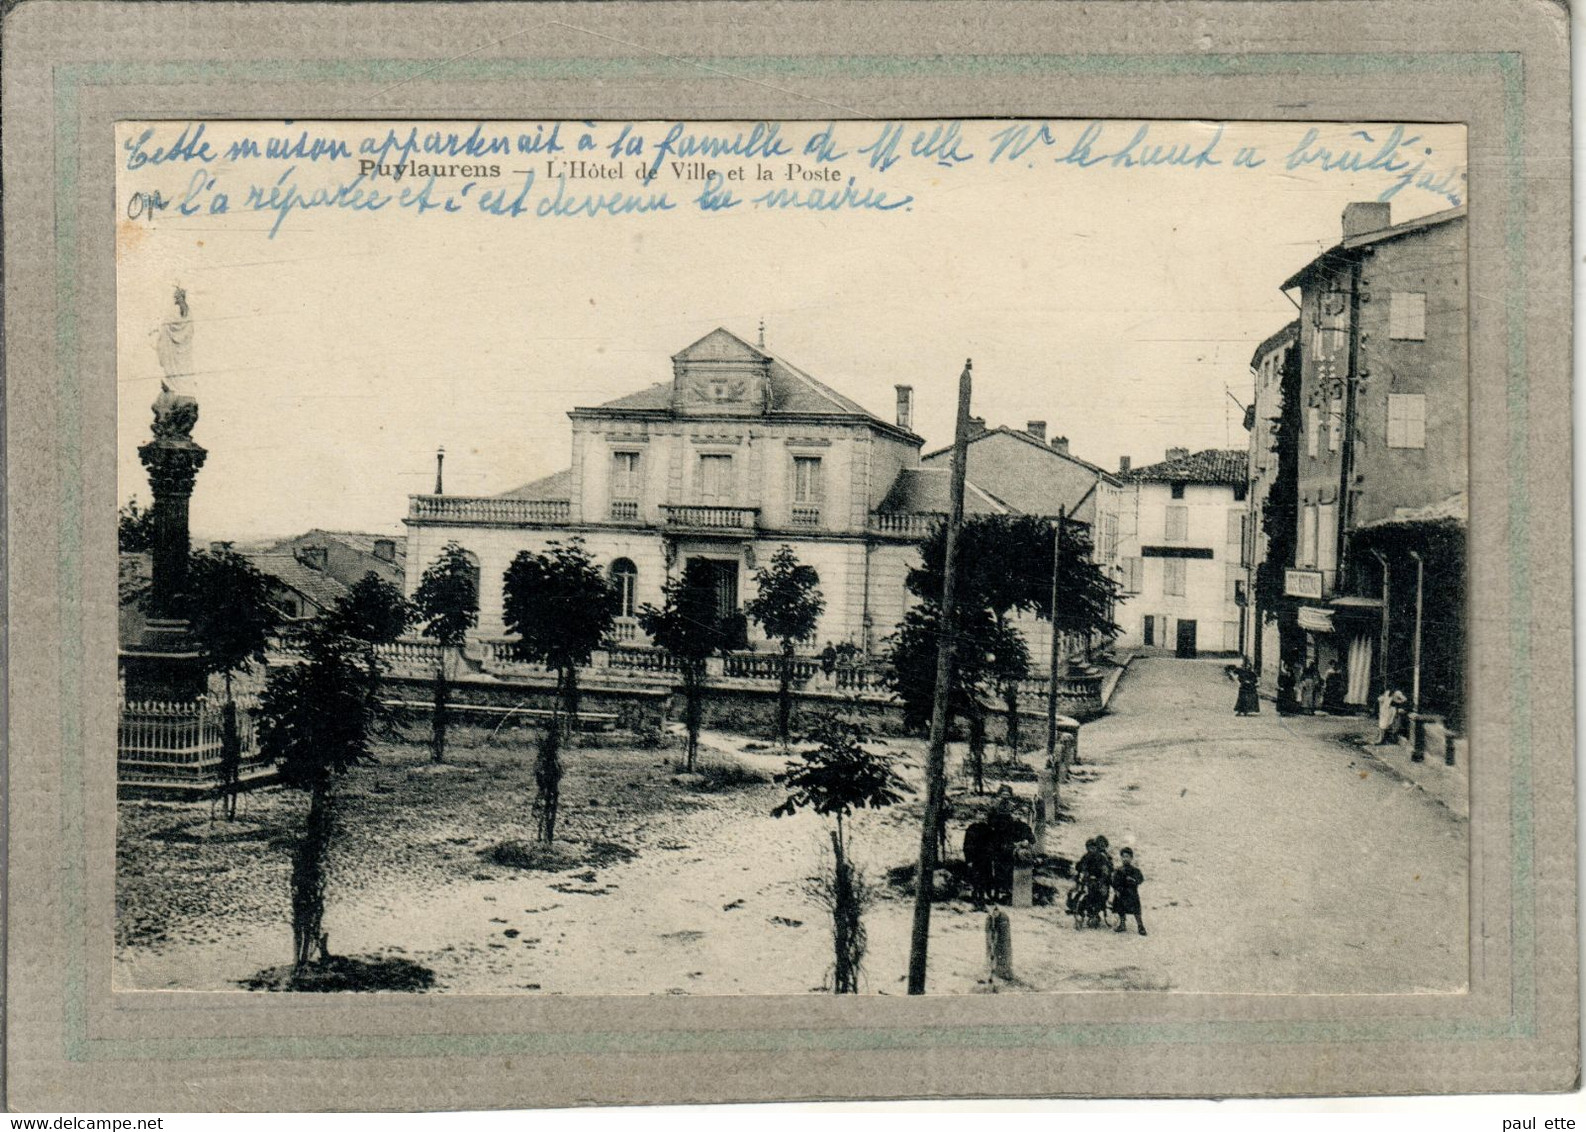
1316 620
1351 603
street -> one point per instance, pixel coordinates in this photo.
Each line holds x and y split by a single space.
1277 860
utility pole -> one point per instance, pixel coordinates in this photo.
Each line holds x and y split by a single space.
936 754
1051 689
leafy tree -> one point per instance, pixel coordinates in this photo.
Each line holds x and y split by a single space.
787 605
373 610
987 655
315 719
1280 509
135 529
688 625
561 606
1005 566
447 604
835 777
229 608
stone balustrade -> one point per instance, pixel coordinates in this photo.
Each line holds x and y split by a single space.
487 509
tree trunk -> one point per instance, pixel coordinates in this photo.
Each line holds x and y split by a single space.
848 937
692 696
308 878
438 715
977 743
569 679
230 756
548 783
1010 695
784 694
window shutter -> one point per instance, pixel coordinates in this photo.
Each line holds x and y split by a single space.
1313 425
1407 315
1406 420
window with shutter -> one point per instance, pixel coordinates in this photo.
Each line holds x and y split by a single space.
1173 577
1407 316
1335 423
1177 524
1313 427
1406 420
1327 536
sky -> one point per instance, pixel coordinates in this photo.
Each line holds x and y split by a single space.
1118 300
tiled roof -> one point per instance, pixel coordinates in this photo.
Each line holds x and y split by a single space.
319 587
792 390
928 490
1289 333
1019 434
557 486
361 541
1213 466
1338 253
1455 509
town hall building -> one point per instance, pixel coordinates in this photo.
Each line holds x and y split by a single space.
739 453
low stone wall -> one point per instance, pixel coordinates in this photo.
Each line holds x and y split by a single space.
640 710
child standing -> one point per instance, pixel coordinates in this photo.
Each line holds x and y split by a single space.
1126 880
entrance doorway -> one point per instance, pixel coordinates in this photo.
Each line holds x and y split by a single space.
723 575
1150 629
1186 639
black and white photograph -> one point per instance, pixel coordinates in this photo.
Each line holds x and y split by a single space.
993 556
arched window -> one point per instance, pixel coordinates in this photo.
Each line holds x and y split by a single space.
625 576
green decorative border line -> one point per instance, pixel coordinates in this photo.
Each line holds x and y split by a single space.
69 79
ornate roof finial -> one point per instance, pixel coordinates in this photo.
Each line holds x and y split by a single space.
761 342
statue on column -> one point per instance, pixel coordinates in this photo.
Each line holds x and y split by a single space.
176 408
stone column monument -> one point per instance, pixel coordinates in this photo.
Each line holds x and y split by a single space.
167 663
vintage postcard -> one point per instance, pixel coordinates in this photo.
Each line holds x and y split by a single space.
656 582
623 450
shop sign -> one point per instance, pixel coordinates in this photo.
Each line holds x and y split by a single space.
1302 583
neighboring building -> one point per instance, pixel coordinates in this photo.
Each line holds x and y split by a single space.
300 587
1031 475
737 454
1276 368
348 555
1181 553
1384 391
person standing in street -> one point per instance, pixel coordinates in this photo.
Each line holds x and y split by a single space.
1390 712
1126 881
1307 688
1248 701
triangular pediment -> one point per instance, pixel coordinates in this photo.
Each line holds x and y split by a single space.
720 346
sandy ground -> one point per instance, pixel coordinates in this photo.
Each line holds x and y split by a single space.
1276 858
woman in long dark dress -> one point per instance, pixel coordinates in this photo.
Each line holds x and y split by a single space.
1249 700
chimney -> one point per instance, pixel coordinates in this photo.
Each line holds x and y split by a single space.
1178 453
1060 445
314 557
977 425
1037 429
385 550
1366 216
1123 463
905 406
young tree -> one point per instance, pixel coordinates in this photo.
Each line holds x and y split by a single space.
561 606
689 626
374 610
834 778
135 530
447 604
315 720
988 655
1005 566
228 606
787 605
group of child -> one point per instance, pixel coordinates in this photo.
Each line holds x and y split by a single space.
1095 876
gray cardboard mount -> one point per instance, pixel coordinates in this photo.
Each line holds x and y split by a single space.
72 70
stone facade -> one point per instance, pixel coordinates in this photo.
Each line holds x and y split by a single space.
738 454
